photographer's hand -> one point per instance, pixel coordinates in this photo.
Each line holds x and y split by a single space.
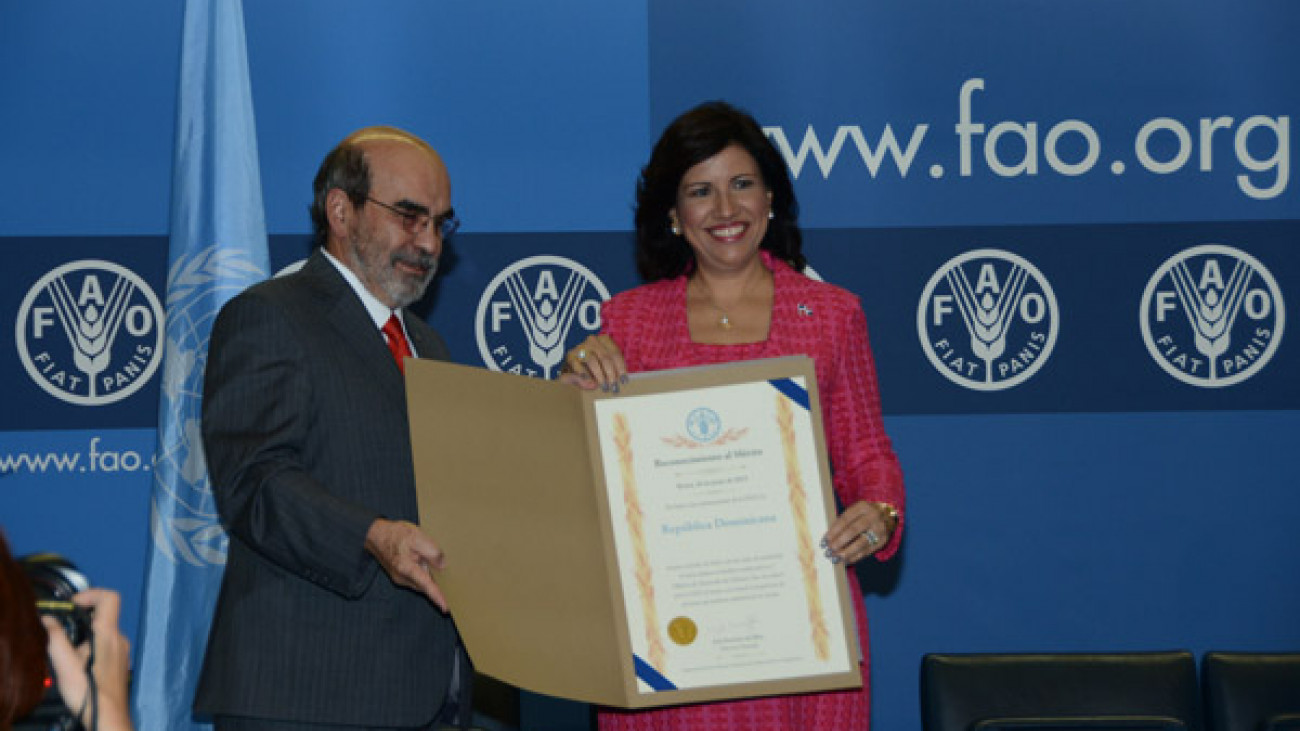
110 668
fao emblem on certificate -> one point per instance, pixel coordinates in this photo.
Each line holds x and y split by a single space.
704 429
703 424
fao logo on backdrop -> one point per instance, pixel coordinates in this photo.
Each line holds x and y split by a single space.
90 332
533 310
988 320
1212 316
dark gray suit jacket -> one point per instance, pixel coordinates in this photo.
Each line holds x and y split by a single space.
305 429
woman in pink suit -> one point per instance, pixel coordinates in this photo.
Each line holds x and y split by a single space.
718 242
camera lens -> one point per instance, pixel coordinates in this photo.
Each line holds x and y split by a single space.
55 580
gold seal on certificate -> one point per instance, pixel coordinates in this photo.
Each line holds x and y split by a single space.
682 630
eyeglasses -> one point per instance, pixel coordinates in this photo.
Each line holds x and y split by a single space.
444 223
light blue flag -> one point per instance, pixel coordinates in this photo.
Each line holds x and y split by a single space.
218 247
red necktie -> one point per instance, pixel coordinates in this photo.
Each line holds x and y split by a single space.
397 341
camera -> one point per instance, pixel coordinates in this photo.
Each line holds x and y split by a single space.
55 580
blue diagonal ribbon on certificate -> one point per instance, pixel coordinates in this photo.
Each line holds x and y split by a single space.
792 390
650 676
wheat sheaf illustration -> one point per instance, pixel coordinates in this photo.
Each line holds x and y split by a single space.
803 536
634 517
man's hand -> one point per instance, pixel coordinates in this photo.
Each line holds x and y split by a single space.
408 556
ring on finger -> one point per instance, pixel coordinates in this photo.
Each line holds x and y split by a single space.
872 538
582 354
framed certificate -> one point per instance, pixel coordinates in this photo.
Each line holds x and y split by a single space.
647 548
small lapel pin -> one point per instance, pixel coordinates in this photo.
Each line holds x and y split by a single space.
805 310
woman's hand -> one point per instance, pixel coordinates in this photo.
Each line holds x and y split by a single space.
861 530
595 363
111 667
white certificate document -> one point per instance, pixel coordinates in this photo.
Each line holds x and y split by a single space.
718 500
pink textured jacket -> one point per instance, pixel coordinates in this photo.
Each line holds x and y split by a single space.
826 323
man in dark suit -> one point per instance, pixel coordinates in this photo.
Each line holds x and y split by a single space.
328 613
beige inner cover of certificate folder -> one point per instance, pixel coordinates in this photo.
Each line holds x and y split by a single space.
511 486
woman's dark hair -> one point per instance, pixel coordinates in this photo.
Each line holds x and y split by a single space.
22 642
692 138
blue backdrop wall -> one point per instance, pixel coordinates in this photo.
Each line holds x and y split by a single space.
1103 467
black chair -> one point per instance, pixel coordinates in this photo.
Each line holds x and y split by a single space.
999 692
1251 691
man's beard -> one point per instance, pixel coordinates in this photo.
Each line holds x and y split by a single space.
401 289
404 289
